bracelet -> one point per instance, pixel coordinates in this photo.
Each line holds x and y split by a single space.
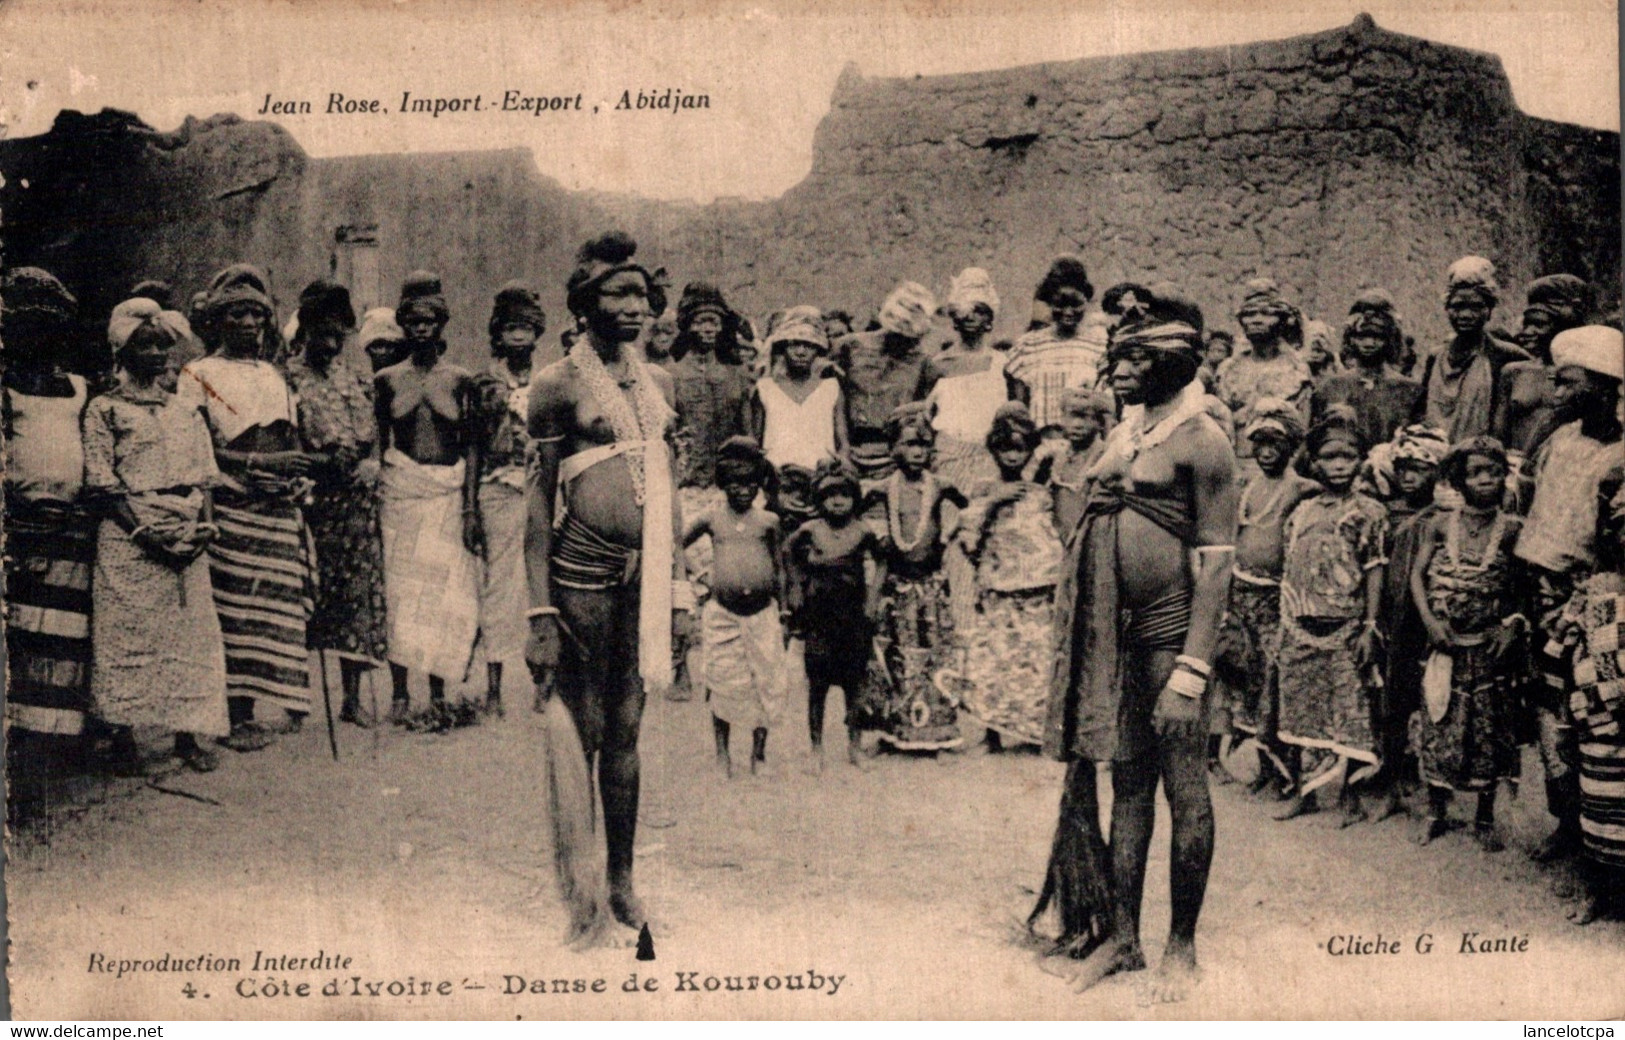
1187 684
1195 664
536 612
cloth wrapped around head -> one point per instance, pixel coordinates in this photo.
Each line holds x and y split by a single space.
1338 426
379 324
803 324
421 296
35 295
1065 272
1596 348
239 283
1272 416
908 311
609 254
516 304
156 290
1563 296
703 298
1474 275
1264 296
139 312
911 419
834 477
969 289
1421 443
1373 313
325 302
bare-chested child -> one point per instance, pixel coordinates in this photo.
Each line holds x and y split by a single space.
432 536
832 608
1253 621
740 625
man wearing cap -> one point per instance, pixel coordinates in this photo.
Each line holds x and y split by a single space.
1142 592
1525 401
1460 381
607 588
429 514
884 369
1558 542
1270 365
499 450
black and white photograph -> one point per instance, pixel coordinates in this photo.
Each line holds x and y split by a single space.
804 509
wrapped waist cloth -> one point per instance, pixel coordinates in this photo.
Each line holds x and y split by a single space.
583 559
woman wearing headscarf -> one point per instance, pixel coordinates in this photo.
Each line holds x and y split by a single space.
338 428
50 538
149 463
261 562
382 339
1381 398
1460 380
883 369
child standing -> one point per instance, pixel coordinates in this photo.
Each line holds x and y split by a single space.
1086 416
1414 457
741 637
1252 625
1331 584
1464 582
915 624
832 608
1008 531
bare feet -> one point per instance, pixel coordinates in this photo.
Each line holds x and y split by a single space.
1592 909
815 765
1175 976
1296 806
725 765
1111 959
1352 815
1392 805
855 755
1488 838
627 908
1559 845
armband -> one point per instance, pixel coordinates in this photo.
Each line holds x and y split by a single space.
682 595
1200 549
1195 664
536 612
1187 684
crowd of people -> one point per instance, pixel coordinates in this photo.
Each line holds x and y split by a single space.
1323 558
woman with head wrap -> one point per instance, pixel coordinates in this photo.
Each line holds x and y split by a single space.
260 563
969 382
149 463
50 537
429 511
608 590
797 416
883 369
1138 609
1050 359
1270 365
383 341
1381 398
1526 400
1559 540
337 425
1461 379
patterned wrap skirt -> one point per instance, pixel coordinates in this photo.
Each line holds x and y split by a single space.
1244 661
1325 701
49 555
1007 667
1475 744
916 640
262 569
350 617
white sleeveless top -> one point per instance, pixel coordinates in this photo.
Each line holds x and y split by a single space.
45 461
798 434
965 404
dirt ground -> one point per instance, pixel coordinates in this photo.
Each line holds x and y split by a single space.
424 857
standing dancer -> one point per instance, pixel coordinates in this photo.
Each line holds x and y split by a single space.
605 579
1142 592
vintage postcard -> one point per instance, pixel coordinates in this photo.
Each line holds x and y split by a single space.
802 509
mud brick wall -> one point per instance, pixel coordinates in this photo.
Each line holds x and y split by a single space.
1332 161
